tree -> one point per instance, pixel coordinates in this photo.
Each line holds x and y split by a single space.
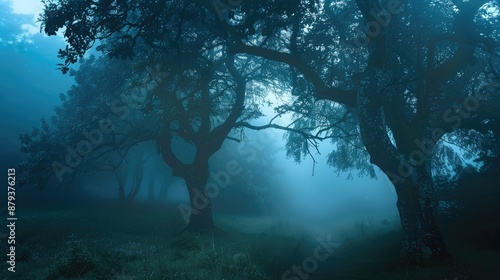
407 89
193 88
122 170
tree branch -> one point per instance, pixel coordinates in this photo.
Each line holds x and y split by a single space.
342 96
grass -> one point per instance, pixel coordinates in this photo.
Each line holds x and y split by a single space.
110 241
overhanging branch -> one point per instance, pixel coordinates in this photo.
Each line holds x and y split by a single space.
285 128
342 96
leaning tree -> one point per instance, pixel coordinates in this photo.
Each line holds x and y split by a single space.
407 89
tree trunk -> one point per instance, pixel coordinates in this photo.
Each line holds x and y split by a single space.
201 206
151 188
422 239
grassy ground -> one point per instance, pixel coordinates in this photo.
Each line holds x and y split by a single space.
110 241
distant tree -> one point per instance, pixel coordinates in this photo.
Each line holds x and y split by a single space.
136 169
85 126
408 89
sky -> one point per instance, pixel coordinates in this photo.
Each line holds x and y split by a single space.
27 7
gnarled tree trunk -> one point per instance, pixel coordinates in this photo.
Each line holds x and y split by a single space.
207 137
201 205
422 240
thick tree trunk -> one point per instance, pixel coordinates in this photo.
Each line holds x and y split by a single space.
200 204
198 215
422 239
207 137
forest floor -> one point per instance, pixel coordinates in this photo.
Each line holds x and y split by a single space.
111 241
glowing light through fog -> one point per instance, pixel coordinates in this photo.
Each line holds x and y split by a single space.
26 7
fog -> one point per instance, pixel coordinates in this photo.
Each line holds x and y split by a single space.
250 140
312 195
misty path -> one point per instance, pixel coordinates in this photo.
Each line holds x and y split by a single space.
290 227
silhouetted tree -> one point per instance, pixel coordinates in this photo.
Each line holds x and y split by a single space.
406 89
190 86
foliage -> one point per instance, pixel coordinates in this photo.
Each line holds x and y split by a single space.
326 120
83 110
79 262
